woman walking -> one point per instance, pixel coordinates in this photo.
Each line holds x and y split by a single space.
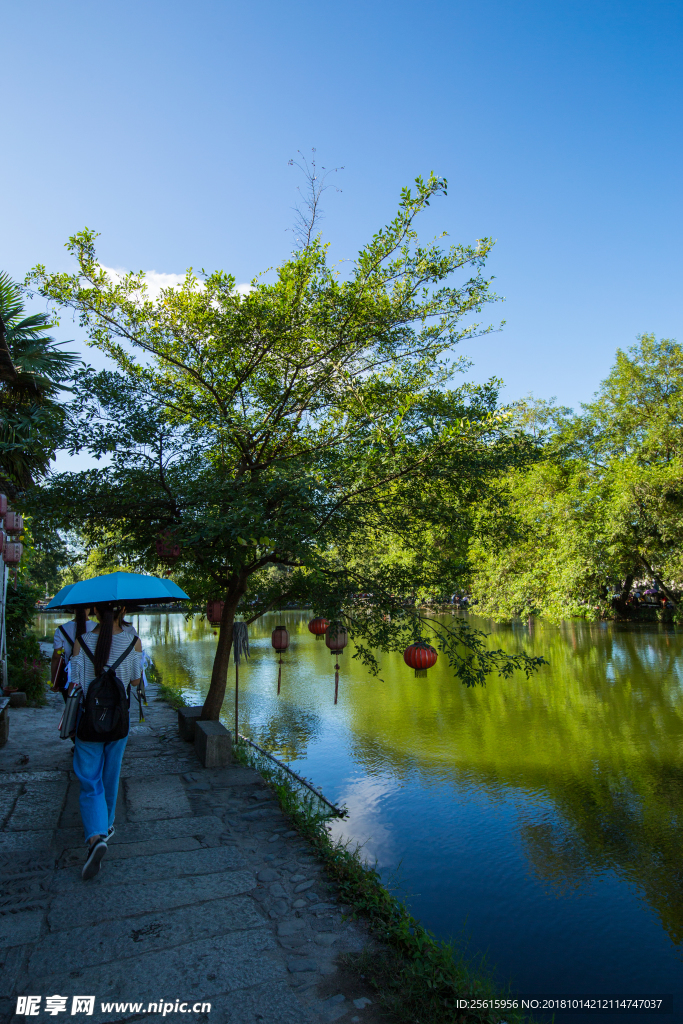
64 638
98 764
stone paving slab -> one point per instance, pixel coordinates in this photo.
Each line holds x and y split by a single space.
124 851
132 936
112 902
196 899
39 806
49 775
11 964
18 928
29 865
133 832
156 798
209 967
33 734
148 766
9 792
274 1003
145 868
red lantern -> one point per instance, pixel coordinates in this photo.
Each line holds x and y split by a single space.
11 554
420 656
280 641
336 639
168 551
214 612
319 627
14 523
280 638
3 504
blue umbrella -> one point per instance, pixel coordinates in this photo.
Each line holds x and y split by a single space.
118 587
59 600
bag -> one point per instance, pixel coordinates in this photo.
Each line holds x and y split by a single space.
67 726
105 713
61 679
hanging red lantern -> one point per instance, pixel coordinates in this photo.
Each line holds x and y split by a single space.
3 504
420 656
280 638
214 612
319 627
11 554
336 639
280 641
14 523
168 551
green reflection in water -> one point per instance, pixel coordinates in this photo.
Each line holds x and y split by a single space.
599 732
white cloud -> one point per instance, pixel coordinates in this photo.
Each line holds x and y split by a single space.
156 280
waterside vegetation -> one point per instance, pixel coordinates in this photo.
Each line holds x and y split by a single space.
418 978
599 514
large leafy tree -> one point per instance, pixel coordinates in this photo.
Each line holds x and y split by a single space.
603 506
277 435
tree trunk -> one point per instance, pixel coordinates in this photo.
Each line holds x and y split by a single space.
662 586
620 603
219 676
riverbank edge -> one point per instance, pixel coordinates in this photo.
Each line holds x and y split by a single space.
418 978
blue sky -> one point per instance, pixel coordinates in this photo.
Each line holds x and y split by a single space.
168 127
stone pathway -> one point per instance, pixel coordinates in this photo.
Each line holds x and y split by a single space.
206 895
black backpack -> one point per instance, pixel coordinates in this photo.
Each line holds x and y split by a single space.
105 713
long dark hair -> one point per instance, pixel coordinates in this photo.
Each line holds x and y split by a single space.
122 622
107 614
81 618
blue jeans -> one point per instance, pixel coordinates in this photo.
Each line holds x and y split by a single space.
97 767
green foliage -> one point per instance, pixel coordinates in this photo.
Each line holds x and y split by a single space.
101 559
604 504
419 978
25 669
275 434
32 372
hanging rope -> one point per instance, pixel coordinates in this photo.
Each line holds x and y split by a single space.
240 648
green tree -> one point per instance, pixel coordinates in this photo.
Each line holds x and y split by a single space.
603 506
275 433
33 369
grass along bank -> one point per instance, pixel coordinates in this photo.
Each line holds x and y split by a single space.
418 978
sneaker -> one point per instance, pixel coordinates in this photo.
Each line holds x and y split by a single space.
95 855
110 832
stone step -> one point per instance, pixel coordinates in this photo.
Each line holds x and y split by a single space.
124 851
113 902
152 868
113 940
141 831
194 971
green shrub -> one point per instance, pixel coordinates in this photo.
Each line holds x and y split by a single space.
25 668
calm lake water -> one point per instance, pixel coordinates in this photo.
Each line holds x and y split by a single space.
540 818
